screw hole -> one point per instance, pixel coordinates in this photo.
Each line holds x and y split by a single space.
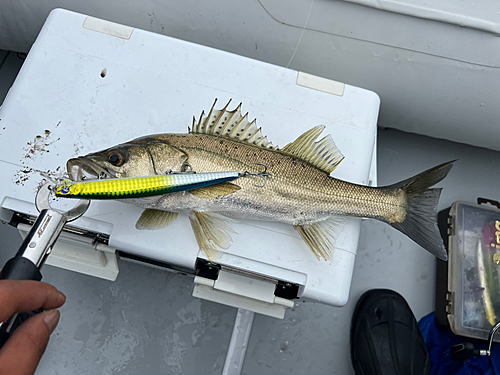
103 72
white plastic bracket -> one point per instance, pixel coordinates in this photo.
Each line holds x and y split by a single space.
81 254
321 84
107 27
242 292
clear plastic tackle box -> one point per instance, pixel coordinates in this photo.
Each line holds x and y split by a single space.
473 269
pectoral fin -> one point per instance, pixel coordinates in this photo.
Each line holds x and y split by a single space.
211 231
321 236
215 191
155 219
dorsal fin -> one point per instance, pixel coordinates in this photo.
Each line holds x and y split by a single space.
230 124
323 154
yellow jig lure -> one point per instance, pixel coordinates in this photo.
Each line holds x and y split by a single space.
137 187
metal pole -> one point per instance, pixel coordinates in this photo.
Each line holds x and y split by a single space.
239 342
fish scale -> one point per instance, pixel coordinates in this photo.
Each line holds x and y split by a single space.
292 182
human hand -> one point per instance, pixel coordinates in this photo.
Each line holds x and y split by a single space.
22 351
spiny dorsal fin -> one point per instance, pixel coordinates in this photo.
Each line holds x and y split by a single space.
230 124
321 236
323 154
211 231
155 219
215 191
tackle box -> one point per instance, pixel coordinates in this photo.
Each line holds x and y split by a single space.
472 303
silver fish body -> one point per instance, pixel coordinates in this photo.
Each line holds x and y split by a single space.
298 191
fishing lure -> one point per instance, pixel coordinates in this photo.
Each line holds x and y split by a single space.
138 187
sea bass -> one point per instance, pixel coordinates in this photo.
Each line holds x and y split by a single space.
297 190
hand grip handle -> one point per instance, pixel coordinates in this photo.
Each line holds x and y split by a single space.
20 268
17 268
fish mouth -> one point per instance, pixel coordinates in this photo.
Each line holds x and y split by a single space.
80 169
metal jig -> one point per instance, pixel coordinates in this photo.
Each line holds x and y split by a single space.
262 175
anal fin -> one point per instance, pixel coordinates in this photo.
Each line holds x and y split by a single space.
321 236
211 231
155 219
215 191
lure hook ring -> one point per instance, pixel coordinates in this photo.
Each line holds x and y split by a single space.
42 202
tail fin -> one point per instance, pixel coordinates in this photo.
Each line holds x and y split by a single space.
420 221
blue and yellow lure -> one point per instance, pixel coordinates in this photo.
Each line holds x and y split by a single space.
138 187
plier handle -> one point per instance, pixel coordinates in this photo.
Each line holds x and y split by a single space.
36 247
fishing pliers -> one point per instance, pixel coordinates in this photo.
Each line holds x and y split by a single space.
36 247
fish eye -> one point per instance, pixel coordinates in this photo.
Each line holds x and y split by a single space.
116 158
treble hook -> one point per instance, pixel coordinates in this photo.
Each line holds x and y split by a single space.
185 164
262 175
265 169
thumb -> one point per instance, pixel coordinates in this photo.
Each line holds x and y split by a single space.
22 352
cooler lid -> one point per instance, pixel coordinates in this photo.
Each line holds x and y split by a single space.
89 84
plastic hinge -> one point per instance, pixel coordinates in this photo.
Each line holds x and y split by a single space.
81 254
449 299
242 292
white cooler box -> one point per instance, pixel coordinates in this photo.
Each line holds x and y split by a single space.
88 84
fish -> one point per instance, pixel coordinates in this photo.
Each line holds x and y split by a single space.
298 189
138 187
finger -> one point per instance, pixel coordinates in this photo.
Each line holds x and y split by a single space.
26 295
22 352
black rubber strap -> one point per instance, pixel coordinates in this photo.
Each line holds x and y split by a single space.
20 268
4 336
